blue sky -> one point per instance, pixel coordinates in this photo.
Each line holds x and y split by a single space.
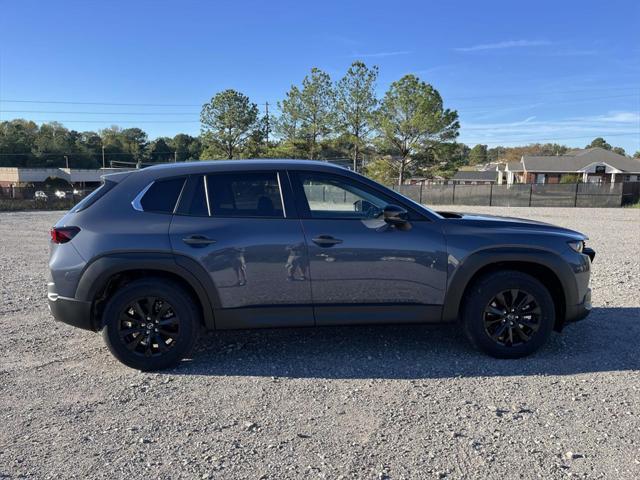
517 72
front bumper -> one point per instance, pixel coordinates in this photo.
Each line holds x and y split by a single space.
580 311
71 311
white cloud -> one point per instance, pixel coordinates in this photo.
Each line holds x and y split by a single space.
615 124
505 44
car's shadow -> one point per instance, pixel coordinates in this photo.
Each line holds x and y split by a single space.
606 341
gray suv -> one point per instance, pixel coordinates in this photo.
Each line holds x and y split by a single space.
154 255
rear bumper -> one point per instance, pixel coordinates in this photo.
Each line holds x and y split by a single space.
71 311
580 311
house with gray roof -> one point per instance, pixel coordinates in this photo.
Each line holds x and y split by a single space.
475 177
591 165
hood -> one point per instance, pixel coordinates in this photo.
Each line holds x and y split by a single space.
519 224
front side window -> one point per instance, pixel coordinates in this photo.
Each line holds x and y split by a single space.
330 196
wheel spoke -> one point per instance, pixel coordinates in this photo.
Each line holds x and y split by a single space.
499 331
164 309
493 310
162 346
139 311
514 297
165 322
129 331
521 334
133 344
525 302
500 300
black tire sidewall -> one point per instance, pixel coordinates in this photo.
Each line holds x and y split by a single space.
484 290
181 303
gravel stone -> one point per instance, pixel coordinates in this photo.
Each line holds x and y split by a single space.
339 402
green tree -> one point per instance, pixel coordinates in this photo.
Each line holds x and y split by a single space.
186 147
637 154
478 155
355 105
411 118
160 151
381 170
600 143
307 114
17 139
227 120
619 151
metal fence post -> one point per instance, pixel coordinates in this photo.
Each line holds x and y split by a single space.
490 193
453 194
575 202
530 192
421 187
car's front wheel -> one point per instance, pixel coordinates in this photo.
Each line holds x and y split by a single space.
150 324
508 314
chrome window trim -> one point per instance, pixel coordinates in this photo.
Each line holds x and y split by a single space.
284 210
135 203
206 193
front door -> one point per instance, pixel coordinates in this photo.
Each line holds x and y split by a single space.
237 227
363 270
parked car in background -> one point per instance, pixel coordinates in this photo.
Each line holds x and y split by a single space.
60 194
153 255
40 195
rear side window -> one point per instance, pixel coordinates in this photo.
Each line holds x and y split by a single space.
244 195
93 197
247 194
162 195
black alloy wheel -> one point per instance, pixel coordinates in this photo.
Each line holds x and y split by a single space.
512 317
149 326
508 314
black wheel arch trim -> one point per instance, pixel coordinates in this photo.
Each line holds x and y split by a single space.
464 273
100 270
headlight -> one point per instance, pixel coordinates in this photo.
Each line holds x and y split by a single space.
577 246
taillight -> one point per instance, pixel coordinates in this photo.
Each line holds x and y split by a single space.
63 234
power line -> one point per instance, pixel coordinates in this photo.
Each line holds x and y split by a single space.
117 121
59 102
99 113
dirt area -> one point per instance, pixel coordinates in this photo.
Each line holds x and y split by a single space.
352 402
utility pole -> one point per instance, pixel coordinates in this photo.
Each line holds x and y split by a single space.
175 156
266 105
103 164
66 159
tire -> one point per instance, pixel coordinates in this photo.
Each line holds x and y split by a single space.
151 324
502 326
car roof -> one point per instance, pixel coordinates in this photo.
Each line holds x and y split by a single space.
239 165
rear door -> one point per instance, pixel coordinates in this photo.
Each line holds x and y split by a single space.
363 270
239 228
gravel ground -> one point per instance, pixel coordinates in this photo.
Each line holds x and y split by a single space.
360 402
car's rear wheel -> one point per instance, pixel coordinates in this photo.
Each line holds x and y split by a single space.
508 314
150 324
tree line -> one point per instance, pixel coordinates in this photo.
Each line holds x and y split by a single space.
406 132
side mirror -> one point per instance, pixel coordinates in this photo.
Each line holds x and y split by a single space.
395 215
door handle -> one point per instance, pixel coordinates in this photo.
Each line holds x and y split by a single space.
326 241
198 240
